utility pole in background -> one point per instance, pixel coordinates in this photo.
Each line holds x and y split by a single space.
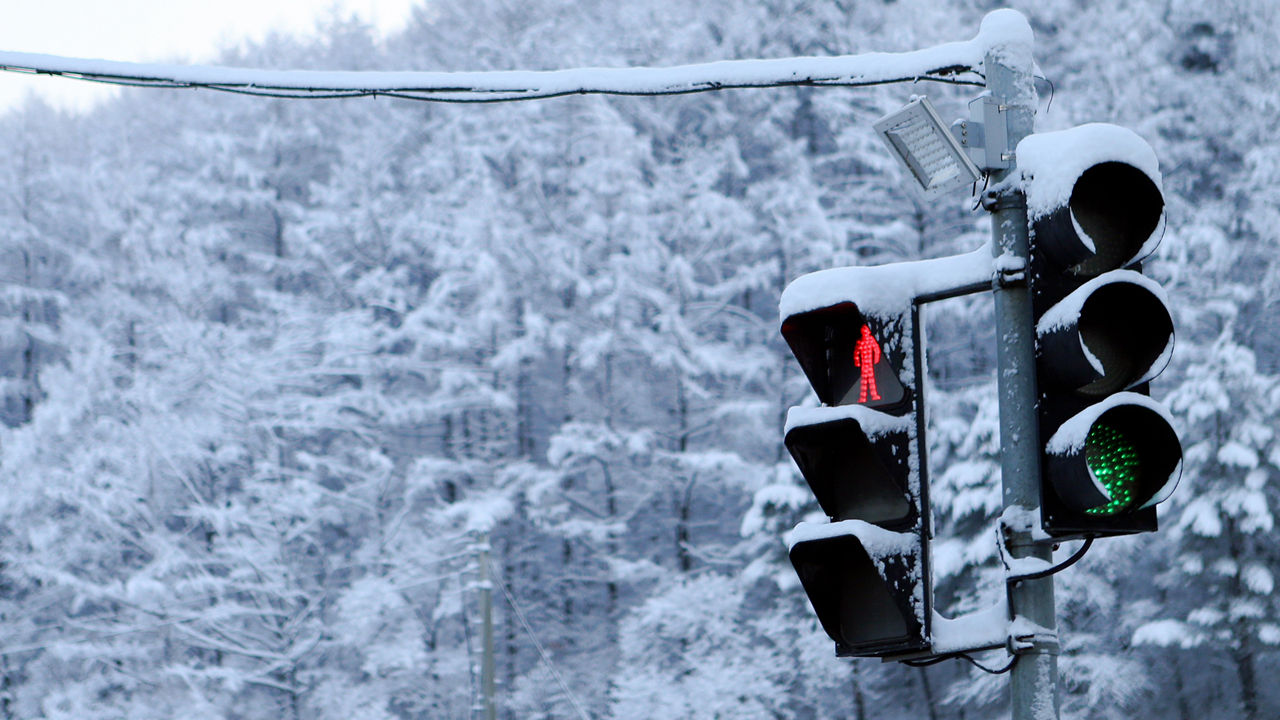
485 707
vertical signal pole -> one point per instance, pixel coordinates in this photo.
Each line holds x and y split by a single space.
1034 679
484 583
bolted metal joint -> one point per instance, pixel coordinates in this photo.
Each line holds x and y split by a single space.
1011 274
994 201
1042 643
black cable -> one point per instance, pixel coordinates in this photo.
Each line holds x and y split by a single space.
1009 583
929 661
454 95
1012 661
1075 558
305 94
1012 580
966 657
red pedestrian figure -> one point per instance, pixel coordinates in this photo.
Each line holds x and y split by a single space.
865 355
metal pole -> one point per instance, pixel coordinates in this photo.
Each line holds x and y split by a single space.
487 682
1034 679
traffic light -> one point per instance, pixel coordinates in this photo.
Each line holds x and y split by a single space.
865 572
1103 330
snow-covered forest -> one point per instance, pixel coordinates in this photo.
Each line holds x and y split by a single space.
272 370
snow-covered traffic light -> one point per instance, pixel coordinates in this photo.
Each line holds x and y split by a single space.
1103 330
865 571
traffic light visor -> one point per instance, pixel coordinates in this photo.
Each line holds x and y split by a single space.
1113 219
1110 334
866 605
1118 208
854 476
1115 459
847 357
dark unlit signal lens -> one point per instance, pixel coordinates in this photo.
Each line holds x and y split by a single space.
1118 207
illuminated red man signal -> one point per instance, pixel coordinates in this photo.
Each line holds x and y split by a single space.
865 356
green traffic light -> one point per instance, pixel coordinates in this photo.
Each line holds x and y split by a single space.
1113 460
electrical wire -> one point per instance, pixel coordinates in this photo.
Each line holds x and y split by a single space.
475 87
966 657
1052 91
460 96
1010 581
1075 558
542 653
999 671
1013 579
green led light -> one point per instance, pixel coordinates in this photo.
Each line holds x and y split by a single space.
1113 460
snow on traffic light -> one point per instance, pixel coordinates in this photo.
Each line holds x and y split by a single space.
855 334
864 570
1103 330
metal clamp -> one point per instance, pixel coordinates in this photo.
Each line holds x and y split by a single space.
1009 276
1003 199
1043 643
985 135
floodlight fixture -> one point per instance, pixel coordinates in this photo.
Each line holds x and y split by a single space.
916 135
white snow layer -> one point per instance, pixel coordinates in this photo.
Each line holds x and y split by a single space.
777 495
885 290
1025 520
1258 579
984 628
878 542
1234 454
1167 633
1070 437
999 29
1269 633
1067 311
872 422
1051 162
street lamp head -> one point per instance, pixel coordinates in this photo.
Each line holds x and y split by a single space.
916 136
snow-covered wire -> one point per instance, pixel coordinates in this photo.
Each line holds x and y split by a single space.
955 63
542 653
1053 90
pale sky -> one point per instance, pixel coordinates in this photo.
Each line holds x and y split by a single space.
185 31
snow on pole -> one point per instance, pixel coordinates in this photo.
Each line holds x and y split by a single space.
884 290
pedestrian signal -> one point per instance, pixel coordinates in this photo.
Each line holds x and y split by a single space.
865 570
839 350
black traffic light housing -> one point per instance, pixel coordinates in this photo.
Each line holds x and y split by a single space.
824 342
866 601
866 571
1103 331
